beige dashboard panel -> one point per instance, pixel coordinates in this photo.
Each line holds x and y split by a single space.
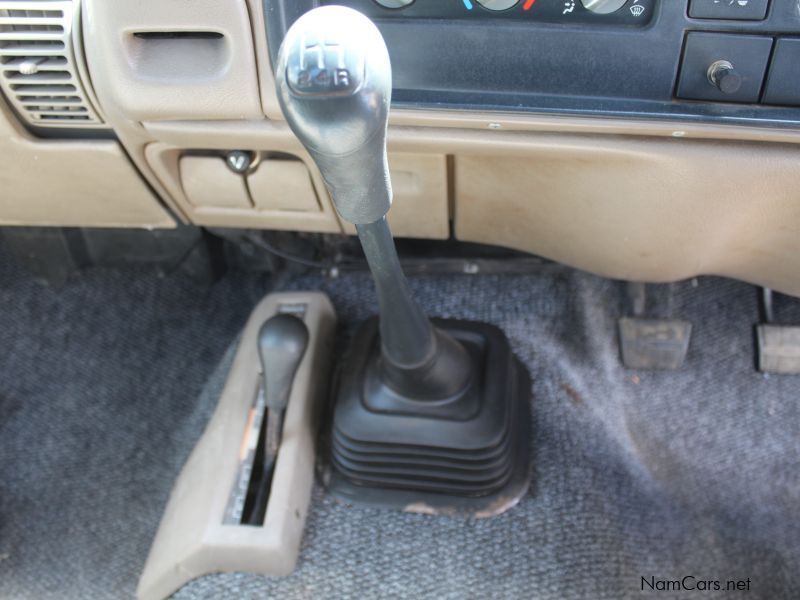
420 207
283 185
645 210
207 181
266 80
87 183
165 59
419 178
165 159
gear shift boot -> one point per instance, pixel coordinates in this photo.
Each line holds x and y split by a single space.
467 454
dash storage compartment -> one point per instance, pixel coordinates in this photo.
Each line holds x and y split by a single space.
166 59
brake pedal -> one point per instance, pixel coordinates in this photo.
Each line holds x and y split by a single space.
778 345
779 349
658 344
651 344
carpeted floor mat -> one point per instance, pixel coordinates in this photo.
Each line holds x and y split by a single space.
637 474
99 386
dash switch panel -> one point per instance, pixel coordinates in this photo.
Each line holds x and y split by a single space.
783 85
712 58
739 10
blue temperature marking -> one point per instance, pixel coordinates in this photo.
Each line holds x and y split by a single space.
468 4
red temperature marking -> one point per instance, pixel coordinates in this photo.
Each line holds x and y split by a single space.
528 4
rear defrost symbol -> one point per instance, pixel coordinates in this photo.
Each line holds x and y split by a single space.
569 6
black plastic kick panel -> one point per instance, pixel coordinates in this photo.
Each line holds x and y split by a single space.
557 56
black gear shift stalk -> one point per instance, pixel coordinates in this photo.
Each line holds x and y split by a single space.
429 416
418 361
407 335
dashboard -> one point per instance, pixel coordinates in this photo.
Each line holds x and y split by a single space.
649 140
712 60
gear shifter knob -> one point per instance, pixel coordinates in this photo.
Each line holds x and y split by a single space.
282 342
334 83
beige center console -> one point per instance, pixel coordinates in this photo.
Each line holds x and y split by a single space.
202 530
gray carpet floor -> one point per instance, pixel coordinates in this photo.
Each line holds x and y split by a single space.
99 386
106 384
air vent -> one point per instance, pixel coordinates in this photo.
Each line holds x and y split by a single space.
38 68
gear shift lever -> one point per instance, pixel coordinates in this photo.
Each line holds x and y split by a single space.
282 343
334 85
423 385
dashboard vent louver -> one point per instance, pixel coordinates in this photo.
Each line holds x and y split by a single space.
38 68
